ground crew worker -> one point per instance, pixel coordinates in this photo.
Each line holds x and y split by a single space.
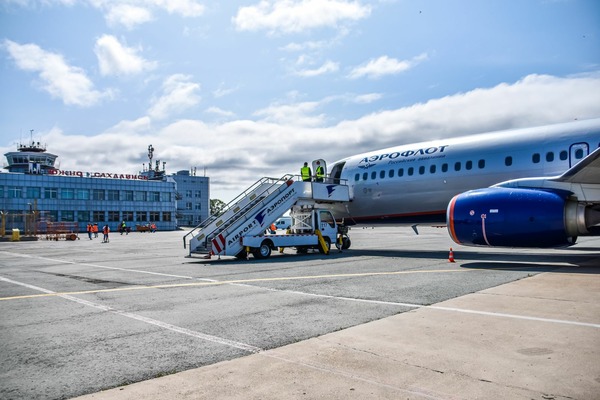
306 173
320 172
89 230
95 230
105 231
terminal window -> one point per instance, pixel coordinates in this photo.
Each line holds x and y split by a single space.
154 196
140 196
113 195
68 216
140 216
82 194
98 216
97 194
83 216
15 192
67 194
33 192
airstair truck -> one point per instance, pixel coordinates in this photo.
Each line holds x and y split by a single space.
253 211
313 228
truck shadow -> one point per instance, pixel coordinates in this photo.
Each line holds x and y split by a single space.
587 260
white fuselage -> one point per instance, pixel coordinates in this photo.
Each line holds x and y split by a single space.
413 183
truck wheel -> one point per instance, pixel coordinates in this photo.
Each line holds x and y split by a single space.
264 251
346 243
328 244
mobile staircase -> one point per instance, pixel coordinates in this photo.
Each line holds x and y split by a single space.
254 210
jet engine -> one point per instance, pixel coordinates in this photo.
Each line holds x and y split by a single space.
507 217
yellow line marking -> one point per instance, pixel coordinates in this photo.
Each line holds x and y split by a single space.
237 281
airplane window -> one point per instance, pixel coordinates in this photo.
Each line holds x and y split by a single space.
421 170
411 171
579 153
536 158
401 172
373 175
457 166
391 173
382 174
365 176
481 164
432 169
564 155
550 156
508 161
469 165
444 167
356 177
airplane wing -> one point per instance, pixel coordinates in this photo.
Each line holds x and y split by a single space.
587 171
582 180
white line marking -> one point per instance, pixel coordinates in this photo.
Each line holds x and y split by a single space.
164 325
97 266
466 311
452 309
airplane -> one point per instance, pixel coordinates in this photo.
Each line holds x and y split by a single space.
532 187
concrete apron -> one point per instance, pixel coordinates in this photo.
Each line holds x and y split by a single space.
537 338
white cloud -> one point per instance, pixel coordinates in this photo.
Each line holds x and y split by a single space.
127 15
61 80
290 16
219 112
367 98
327 67
179 94
131 13
297 115
385 65
239 152
116 59
185 8
223 91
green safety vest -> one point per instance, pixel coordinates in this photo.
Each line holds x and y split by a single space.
305 173
320 172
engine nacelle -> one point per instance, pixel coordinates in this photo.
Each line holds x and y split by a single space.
515 218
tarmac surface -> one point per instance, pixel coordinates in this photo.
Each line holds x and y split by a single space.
390 318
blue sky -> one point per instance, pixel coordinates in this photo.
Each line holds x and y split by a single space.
254 88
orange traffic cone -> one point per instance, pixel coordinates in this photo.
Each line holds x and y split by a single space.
451 255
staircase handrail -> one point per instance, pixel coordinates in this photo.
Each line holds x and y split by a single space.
235 201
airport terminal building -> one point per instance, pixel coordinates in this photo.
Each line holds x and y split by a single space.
34 186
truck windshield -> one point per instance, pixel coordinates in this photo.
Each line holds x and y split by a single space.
327 218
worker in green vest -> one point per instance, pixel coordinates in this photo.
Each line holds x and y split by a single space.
306 173
320 172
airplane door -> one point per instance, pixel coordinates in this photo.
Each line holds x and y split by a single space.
578 152
336 172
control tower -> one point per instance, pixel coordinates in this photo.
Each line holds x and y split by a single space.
31 158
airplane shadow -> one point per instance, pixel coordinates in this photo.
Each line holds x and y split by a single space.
569 258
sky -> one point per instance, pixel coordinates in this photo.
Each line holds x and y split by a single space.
240 90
